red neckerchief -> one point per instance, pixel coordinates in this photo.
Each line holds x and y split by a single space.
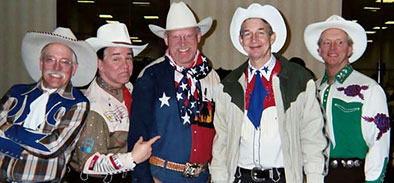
127 98
267 86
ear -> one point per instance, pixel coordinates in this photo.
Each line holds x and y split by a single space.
272 38
241 41
349 51
165 37
100 65
75 66
41 64
199 36
319 51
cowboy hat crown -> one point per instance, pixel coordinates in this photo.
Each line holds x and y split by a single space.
114 35
180 17
33 43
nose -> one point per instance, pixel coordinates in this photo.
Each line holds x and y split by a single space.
182 39
254 37
57 65
333 45
125 64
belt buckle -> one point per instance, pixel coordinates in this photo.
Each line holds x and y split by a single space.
192 170
253 174
272 174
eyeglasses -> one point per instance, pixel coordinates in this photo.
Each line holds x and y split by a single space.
257 35
179 37
64 62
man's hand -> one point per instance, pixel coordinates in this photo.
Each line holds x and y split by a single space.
143 149
5 126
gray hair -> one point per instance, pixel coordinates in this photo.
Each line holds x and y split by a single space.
198 30
44 49
349 39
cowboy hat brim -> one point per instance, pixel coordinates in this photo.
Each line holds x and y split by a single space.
98 43
204 26
266 12
34 42
354 30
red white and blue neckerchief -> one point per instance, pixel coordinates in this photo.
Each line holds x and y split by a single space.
269 99
188 94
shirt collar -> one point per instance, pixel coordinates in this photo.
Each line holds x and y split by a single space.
64 91
340 76
265 71
50 91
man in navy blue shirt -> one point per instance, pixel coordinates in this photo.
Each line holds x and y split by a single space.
173 98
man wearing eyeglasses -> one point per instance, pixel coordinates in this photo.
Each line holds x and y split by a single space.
174 98
40 122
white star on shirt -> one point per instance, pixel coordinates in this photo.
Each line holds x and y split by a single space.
164 100
186 119
192 104
183 86
179 96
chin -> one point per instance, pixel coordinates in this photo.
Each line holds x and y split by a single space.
123 80
54 86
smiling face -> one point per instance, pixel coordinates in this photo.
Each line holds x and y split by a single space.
57 64
335 48
182 45
116 67
256 38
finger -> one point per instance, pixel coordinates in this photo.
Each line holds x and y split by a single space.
153 140
140 140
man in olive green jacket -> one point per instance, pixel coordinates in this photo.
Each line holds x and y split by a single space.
290 142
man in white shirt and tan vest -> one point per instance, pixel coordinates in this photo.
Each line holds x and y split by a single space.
268 122
101 153
355 105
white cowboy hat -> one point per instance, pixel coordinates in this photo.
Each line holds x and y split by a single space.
114 35
354 30
266 12
34 42
180 17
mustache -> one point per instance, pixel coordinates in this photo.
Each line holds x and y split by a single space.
55 72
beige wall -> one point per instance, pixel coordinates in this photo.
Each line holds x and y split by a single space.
297 13
16 18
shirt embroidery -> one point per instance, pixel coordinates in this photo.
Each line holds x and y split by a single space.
341 76
382 121
353 90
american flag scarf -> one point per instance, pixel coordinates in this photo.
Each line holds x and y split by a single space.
190 98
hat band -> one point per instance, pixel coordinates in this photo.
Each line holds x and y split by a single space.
119 42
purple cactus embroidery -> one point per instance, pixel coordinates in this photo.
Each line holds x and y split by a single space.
353 90
382 121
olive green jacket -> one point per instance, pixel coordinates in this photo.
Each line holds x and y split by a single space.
300 124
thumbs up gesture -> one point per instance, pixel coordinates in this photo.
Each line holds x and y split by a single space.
143 149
